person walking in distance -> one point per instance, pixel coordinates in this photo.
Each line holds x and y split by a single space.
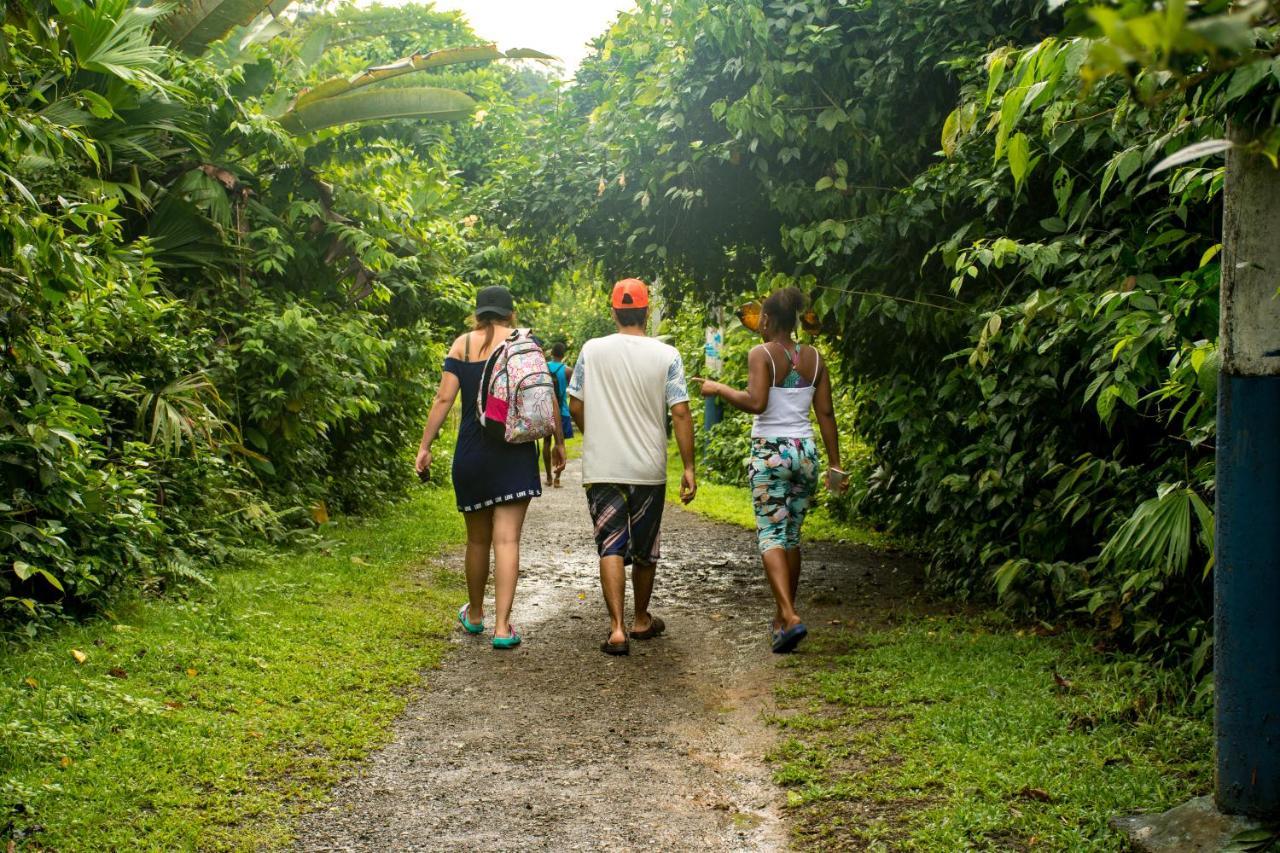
493 480
557 368
622 388
784 381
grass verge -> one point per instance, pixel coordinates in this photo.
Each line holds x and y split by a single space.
732 505
951 734
211 722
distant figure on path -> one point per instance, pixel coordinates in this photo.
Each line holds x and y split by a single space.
557 367
784 381
623 386
493 480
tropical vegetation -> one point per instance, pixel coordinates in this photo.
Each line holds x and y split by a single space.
232 240
236 236
1007 216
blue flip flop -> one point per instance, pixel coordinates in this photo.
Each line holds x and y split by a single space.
509 642
786 641
467 625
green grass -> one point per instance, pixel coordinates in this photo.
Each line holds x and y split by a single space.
947 734
732 505
211 722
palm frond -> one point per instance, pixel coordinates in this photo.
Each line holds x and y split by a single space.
1159 535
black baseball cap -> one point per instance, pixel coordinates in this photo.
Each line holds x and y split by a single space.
495 300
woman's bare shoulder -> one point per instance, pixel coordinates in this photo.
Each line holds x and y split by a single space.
459 345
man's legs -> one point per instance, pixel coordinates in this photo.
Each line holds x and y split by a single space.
613 583
608 505
644 507
642 575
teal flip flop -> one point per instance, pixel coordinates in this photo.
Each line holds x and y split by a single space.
509 642
467 625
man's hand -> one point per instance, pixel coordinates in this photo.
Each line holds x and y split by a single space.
423 463
558 458
688 486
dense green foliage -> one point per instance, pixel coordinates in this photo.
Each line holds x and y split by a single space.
210 329
216 325
1025 308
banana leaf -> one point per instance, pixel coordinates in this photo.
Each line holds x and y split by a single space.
423 102
409 64
196 24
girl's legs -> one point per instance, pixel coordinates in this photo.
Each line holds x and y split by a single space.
778 571
508 520
793 570
546 457
785 503
479 542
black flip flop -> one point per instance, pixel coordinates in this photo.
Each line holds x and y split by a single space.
655 629
616 649
785 641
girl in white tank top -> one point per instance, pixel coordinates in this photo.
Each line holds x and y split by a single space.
783 467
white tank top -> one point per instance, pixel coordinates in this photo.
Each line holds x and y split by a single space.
786 415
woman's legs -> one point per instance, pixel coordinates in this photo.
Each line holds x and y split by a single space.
508 520
783 477
479 542
793 570
778 572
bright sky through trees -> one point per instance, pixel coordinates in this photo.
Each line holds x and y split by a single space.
559 27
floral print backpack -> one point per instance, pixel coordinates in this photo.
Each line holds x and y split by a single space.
517 397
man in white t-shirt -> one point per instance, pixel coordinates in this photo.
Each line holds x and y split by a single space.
623 386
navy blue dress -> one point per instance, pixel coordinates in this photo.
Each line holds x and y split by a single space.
487 471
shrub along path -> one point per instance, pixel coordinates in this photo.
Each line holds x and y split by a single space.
555 746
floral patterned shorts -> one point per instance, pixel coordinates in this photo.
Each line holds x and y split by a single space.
784 474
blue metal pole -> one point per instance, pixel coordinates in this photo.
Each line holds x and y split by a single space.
1247 518
1247 596
712 414
713 409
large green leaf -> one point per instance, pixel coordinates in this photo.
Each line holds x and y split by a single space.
112 38
423 102
409 64
197 23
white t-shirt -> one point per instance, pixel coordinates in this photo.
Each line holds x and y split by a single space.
626 384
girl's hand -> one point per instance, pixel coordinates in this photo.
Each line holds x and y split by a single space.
837 481
558 458
709 387
423 463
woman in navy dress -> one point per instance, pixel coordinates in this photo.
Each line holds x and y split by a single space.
493 481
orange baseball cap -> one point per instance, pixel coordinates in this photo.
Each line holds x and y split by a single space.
631 293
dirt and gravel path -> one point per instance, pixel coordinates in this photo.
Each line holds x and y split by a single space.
555 746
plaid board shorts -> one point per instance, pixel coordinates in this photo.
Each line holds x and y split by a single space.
628 520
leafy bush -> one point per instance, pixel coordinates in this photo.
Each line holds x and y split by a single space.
1023 304
212 331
